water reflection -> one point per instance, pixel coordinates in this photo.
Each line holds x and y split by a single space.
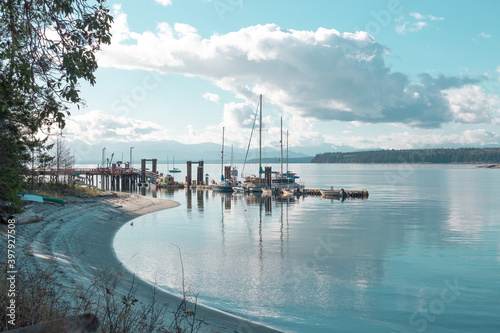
276 253
338 265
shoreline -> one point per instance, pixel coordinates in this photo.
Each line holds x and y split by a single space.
79 236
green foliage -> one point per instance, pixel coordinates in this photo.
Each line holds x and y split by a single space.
12 156
460 155
46 47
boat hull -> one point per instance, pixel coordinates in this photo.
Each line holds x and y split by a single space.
222 188
239 189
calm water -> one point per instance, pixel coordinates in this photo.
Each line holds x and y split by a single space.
421 254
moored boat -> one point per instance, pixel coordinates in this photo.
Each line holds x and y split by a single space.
226 184
267 192
240 189
174 169
223 187
167 182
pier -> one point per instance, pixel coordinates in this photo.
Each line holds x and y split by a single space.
118 178
115 178
104 178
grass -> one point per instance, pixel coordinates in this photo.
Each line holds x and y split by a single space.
39 298
62 191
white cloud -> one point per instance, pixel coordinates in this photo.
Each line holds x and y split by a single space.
97 126
485 35
212 97
417 23
321 75
471 104
164 2
407 140
421 17
238 115
119 29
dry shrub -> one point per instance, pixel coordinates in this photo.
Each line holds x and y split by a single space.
40 297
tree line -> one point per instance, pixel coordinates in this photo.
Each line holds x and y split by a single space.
441 155
46 49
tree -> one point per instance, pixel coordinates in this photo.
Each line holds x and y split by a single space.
46 47
63 158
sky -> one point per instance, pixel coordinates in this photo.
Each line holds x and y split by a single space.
392 74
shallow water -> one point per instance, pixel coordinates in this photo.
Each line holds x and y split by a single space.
421 254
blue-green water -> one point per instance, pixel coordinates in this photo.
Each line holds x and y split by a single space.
421 254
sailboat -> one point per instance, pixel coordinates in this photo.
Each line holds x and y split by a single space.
225 185
253 183
285 183
174 170
234 171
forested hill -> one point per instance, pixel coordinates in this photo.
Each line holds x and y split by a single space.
459 155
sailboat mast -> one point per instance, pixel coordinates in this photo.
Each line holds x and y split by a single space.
260 135
281 143
222 163
287 151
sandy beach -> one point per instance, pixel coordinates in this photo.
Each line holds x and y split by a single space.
80 236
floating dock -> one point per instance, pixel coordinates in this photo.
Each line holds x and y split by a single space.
338 193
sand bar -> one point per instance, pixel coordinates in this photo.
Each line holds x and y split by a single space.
80 235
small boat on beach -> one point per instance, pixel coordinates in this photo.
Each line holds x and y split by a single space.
39 198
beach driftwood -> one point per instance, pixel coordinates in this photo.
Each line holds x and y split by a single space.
27 217
84 323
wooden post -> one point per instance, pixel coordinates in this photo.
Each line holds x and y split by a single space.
188 176
155 162
143 171
268 175
227 172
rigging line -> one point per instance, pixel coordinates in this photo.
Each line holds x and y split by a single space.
250 141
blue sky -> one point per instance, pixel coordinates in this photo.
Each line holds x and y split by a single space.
368 74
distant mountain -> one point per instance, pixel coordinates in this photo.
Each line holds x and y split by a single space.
161 150
209 152
312 150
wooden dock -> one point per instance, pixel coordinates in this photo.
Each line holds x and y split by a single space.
337 193
104 178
